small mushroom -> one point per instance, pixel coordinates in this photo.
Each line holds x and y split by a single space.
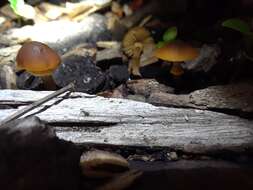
101 164
177 52
40 60
133 44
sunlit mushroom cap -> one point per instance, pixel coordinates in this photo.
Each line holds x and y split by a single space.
177 52
37 58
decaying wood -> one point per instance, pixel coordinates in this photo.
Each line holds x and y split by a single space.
112 50
124 122
7 77
109 44
108 54
145 87
61 35
236 97
37 103
7 66
8 55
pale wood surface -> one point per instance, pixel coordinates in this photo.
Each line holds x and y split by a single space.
86 119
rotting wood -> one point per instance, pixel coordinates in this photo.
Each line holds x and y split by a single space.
108 54
37 103
98 120
146 87
61 35
236 97
8 55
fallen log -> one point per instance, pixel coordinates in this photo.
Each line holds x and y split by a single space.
237 97
86 119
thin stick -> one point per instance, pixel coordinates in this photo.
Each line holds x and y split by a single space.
41 101
145 20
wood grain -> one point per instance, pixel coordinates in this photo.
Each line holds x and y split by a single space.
85 119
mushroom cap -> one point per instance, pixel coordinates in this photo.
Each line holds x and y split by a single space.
37 58
135 39
177 52
98 163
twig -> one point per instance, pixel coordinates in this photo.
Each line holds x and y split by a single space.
145 20
41 101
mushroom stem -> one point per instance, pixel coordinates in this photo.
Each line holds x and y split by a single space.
134 66
176 69
48 82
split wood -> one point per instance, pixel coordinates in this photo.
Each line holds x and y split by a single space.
41 101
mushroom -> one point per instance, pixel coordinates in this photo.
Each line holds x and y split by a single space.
39 60
133 44
177 52
101 164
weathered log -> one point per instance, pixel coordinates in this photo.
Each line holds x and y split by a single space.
124 122
56 156
237 97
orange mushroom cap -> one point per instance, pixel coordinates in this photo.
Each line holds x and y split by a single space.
177 52
37 59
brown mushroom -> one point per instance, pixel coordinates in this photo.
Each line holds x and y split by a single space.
40 60
100 164
177 52
133 44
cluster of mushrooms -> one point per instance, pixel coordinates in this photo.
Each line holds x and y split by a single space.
175 52
40 60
